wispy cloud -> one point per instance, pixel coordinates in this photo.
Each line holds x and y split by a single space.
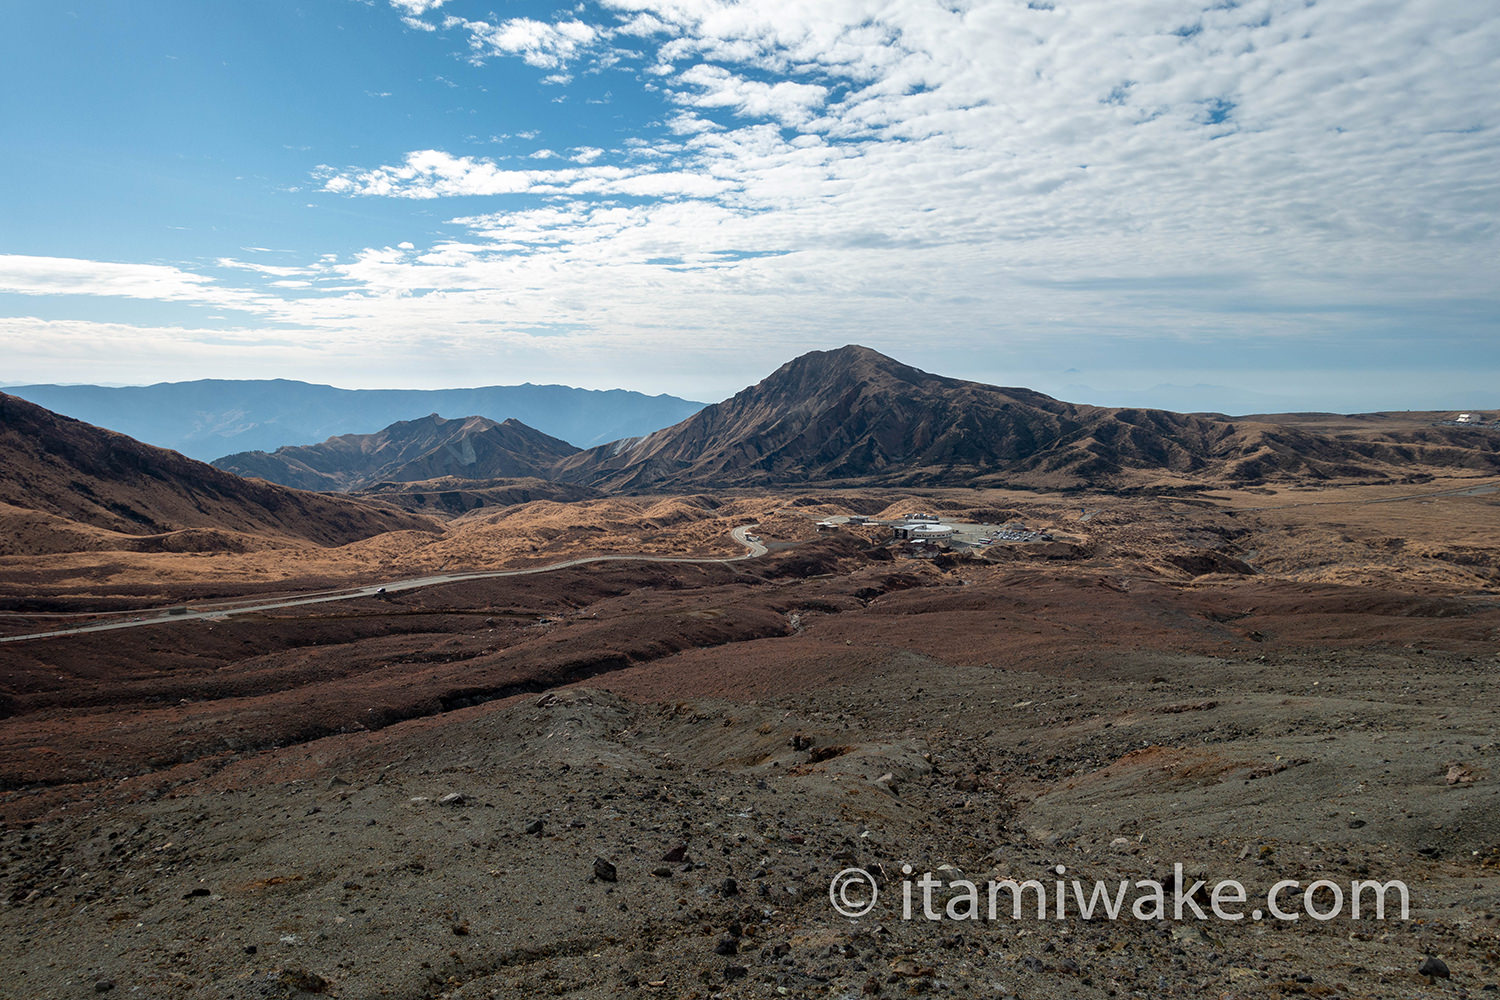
1085 133
432 173
270 269
69 276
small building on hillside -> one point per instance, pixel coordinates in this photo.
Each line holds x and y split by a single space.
923 531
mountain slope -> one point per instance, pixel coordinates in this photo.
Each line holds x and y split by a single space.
408 451
854 415
451 495
66 468
213 417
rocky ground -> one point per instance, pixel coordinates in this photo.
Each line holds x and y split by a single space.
640 783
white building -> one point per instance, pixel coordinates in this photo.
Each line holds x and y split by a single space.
924 531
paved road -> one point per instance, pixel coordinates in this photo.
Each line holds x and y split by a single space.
221 610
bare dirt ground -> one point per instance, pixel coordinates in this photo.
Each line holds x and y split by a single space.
638 780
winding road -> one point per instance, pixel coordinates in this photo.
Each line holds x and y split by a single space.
741 535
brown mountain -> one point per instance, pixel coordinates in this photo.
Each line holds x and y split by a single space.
854 415
55 465
408 451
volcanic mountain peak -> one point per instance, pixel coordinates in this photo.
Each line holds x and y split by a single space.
428 447
852 361
817 374
820 377
851 413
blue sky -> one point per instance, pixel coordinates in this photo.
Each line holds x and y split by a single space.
1255 205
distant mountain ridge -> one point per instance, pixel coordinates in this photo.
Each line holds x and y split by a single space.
211 418
67 470
432 447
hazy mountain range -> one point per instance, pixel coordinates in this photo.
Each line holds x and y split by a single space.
216 417
850 417
855 416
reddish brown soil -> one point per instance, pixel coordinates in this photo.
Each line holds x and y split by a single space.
1088 702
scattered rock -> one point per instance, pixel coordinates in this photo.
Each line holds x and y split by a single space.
302 979
910 969
1458 774
535 827
1433 968
604 871
452 799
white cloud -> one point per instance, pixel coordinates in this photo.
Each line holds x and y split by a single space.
416 8
538 43
784 101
